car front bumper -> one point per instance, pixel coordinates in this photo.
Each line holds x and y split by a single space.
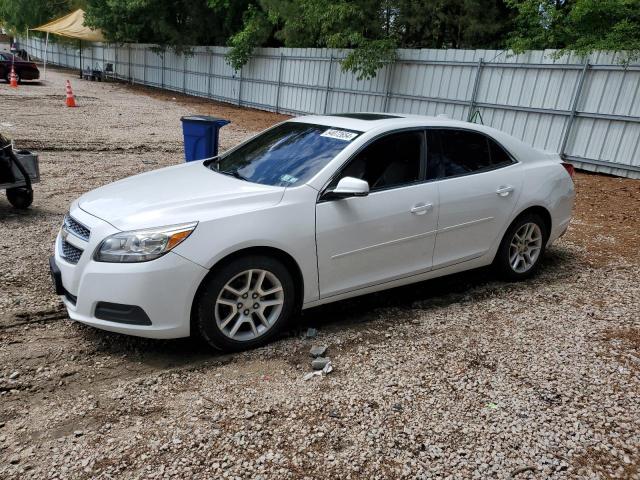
163 289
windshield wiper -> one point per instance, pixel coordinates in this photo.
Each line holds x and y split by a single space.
235 173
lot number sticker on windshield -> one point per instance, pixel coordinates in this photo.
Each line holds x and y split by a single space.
340 134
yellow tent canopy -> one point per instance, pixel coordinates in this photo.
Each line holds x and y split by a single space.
72 26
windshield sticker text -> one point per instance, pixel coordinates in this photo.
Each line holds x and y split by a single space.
339 134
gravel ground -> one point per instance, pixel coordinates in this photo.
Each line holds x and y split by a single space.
461 377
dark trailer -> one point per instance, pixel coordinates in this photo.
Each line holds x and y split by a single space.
19 170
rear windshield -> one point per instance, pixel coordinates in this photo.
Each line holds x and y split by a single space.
286 155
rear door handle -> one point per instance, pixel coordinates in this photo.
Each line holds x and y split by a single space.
421 208
504 191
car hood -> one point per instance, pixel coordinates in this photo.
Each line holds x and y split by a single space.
182 193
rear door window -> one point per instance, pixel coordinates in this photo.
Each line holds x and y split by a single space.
499 157
454 152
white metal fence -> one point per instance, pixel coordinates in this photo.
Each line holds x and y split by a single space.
588 110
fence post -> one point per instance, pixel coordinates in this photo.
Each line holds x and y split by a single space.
162 72
328 89
240 86
144 68
574 107
129 68
474 94
387 95
210 74
184 73
279 82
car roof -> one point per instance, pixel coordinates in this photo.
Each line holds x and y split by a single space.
366 121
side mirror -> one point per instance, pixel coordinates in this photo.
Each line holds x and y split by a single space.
349 187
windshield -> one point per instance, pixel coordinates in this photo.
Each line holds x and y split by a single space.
286 155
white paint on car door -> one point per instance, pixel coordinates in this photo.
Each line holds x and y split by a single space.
473 212
386 235
474 206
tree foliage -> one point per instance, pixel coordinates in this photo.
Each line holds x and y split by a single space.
175 23
18 15
578 26
452 23
357 24
372 29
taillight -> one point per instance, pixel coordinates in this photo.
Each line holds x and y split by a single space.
569 168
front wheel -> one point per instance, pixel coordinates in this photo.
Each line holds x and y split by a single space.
522 248
245 303
20 197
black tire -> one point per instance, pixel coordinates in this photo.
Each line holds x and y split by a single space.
204 321
20 197
502 264
8 78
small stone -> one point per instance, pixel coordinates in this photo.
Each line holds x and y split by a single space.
318 351
311 333
319 363
13 459
14 375
78 433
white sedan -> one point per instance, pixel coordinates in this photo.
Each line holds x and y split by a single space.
311 211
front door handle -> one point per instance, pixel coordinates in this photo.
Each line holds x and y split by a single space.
504 191
421 208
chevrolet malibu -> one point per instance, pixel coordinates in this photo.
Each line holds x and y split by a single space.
311 211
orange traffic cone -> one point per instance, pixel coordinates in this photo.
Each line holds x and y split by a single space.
71 100
13 79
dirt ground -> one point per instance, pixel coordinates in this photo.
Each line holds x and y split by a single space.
461 377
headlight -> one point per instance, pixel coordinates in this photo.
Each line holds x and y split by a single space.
142 245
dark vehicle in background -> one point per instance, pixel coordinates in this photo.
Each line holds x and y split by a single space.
25 70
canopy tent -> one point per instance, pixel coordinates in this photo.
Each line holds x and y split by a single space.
70 26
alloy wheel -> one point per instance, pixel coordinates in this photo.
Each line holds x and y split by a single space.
525 247
249 304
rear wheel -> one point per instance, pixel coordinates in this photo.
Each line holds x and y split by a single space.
20 197
522 248
245 303
8 77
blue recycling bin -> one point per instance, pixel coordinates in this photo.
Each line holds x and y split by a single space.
201 136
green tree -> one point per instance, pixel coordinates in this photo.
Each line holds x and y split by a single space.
174 23
578 26
18 15
358 24
452 23
372 28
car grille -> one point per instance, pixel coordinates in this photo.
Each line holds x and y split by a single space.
70 253
76 228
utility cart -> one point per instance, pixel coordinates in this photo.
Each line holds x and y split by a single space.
19 170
